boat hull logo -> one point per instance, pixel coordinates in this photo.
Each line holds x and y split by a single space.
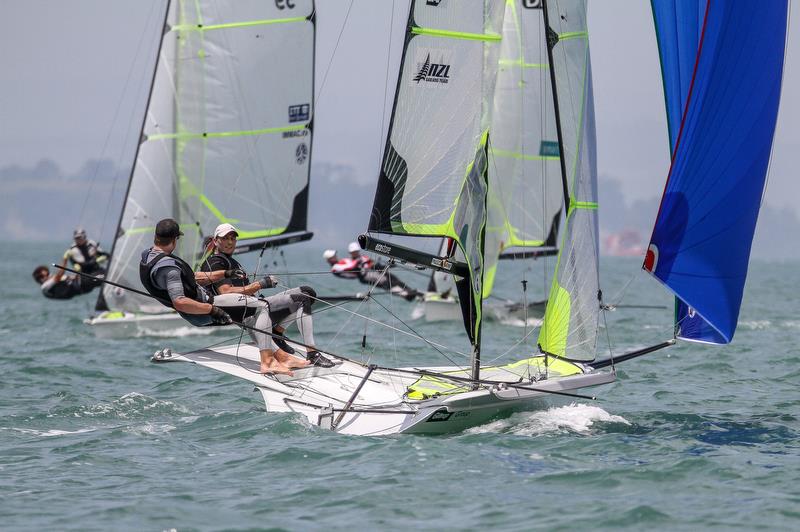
440 415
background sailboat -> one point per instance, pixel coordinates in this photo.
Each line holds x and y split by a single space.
226 138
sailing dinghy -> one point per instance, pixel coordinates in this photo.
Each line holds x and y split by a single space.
226 137
433 183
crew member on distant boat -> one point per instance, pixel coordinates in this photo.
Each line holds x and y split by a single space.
172 281
290 305
60 285
361 267
86 255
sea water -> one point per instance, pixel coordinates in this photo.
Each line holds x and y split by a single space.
93 436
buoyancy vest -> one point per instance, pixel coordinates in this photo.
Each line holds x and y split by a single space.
86 257
147 269
220 261
348 268
365 263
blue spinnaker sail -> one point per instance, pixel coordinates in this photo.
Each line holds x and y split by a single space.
678 24
703 233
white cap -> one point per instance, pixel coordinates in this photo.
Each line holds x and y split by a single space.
353 246
224 229
329 253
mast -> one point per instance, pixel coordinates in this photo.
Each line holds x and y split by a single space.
552 39
101 302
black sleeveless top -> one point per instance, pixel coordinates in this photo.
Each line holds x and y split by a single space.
146 269
220 261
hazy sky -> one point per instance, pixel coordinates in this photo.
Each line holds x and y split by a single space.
75 74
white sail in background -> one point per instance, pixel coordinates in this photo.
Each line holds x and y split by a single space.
227 134
525 185
571 318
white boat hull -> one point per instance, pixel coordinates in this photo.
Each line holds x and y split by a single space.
112 324
382 406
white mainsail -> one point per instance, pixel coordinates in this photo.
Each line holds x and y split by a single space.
227 132
573 308
525 186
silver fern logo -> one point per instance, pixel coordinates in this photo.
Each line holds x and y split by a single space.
432 72
301 153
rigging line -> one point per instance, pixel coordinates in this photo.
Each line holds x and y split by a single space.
507 351
391 302
417 334
411 269
382 324
367 295
386 86
604 312
114 121
142 83
333 55
621 294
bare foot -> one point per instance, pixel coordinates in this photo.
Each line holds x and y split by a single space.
275 368
289 361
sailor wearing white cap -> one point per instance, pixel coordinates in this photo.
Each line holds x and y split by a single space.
290 306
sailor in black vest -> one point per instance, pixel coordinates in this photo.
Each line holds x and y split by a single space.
289 306
58 286
86 256
173 282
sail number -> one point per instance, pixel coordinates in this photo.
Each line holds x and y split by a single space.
284 4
